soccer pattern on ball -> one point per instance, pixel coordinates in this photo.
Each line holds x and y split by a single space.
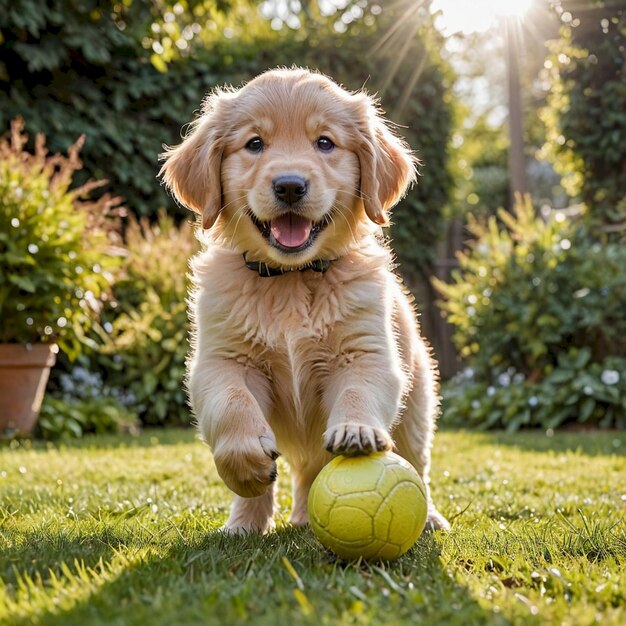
368 506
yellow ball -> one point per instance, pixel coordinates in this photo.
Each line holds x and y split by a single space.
368 506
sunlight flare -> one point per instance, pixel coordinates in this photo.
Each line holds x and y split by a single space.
477 16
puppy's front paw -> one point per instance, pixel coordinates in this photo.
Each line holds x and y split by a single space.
352 439
247 465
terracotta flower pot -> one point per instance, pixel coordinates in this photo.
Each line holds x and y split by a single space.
24 372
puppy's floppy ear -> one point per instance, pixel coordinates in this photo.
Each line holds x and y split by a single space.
192 169
387 165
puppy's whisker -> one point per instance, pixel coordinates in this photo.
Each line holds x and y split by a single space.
238 199
242 211
229 204
331 220
356 194
339 206
235 214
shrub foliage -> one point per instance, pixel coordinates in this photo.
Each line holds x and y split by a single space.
537 302
143 341
585 116
55 245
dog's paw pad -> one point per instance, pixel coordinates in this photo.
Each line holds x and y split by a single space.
353 439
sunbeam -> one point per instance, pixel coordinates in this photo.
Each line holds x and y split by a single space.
477 16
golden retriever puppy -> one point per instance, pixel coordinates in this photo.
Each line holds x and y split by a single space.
305 342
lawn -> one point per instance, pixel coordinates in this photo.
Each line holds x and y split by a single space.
123 530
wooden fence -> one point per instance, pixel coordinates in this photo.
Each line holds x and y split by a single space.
434 327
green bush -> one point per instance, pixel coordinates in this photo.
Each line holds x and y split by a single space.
577 391
531 287
83 403
55 246
143 341
585 116
73 68
72 418
537 302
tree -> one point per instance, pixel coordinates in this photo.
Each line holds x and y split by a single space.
585 115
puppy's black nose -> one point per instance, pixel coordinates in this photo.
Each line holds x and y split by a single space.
290 188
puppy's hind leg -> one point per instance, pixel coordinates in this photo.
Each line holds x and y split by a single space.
252 515
414 436
413 444
302 479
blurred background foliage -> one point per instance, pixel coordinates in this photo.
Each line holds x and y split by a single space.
57 245
144 338
585 112
538 313
480 139
134 357
536 305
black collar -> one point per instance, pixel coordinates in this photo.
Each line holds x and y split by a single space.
267 271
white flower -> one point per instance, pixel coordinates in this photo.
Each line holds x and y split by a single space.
504 380
468 373
587 390
475 404
533 401
491 391
610 377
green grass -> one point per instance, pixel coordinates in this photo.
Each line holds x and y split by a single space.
124 531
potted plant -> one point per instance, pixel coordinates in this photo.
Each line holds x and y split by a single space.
55 266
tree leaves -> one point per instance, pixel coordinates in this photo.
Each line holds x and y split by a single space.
585 116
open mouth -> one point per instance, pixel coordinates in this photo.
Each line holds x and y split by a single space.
290 232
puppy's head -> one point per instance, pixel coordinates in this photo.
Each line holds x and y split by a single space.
289 168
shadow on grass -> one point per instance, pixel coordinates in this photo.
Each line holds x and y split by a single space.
281 578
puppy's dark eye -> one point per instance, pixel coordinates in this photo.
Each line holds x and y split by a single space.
255 145
324 144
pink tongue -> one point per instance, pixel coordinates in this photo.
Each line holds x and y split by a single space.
291 231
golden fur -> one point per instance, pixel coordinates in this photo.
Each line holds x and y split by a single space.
306 363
